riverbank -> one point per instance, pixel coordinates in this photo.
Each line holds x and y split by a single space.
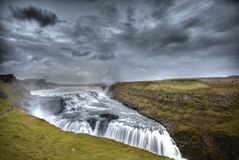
25 137
200 114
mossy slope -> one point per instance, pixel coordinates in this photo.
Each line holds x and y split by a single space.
25 137
201 115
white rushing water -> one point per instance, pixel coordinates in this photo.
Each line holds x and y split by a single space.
90 111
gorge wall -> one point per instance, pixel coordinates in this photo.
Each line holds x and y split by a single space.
201 115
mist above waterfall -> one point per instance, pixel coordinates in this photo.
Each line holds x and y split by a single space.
89 110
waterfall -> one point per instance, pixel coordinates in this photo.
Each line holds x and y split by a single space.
90 111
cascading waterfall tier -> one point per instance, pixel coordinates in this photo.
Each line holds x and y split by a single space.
90 111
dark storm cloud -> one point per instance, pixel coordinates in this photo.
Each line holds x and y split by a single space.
223 20
130 14
107 40
81 54
85 29
106 50
153 41
234 2
160 7
92 32
103 57
42 16
111 12
5 50
129 34
2 29
192 22
76 53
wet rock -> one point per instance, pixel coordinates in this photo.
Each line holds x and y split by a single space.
92 122
103 127
109 116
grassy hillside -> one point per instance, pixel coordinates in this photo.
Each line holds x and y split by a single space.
201 115
25 137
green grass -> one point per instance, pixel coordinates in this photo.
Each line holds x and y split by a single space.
181 101
25 137
8 90
169 86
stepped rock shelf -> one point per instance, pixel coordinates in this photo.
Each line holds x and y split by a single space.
89 110
25 137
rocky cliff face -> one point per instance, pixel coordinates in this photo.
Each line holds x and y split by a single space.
201 115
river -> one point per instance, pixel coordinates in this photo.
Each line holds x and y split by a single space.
89 110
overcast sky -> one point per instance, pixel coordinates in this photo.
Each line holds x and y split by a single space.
89 41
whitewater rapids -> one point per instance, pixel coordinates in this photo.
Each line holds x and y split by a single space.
89 110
